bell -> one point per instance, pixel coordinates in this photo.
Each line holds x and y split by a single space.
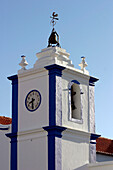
53 39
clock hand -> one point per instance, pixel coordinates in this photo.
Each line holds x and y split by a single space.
32 102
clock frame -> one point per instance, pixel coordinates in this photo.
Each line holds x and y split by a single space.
33 100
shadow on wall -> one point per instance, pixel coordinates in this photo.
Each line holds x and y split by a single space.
84 167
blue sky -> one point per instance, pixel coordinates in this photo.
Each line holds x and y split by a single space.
85 28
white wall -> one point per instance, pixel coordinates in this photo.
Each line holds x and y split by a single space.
101 166
75 149
96 166
28 81
103 157
4 150
32 139
33 150
68 76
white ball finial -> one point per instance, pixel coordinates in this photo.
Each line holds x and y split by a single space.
83 64
23 63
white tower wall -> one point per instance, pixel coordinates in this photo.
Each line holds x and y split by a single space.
30 80
50 137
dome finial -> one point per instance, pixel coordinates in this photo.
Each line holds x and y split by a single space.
54 37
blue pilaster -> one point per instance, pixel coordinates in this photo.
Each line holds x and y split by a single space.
54 70
54 131
13 135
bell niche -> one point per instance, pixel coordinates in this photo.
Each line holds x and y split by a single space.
75 105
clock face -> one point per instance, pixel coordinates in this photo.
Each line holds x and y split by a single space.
33 100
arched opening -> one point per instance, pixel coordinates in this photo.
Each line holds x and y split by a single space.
75 101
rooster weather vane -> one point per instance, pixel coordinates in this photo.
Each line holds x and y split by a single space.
54 37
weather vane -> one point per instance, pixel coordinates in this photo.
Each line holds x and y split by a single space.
54 18
54 37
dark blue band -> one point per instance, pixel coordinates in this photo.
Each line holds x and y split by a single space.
13 135
75 81
54 70
94 137
53 133
92 81
54 130
4 128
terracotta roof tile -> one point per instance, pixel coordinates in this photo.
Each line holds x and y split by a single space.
5 120
104 145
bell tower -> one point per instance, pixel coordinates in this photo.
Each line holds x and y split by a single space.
53 118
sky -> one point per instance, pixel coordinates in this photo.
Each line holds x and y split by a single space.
85 28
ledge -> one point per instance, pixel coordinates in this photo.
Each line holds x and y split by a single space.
101 164
4 127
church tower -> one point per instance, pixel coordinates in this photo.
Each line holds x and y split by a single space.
53 117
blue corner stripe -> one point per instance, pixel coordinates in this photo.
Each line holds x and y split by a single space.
92 81
14 80
53 131
54 70
13 135
93 137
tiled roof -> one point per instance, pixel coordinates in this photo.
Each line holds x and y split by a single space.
104 146
5 120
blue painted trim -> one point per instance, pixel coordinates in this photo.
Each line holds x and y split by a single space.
93 137
92 142
75 81
13 135
4 128
14 80
72 82
54 70
39 102
92 81
53 131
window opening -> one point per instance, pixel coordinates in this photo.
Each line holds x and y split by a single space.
75 101
75 106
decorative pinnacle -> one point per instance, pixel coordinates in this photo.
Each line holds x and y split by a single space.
23 63
54 18
83 64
